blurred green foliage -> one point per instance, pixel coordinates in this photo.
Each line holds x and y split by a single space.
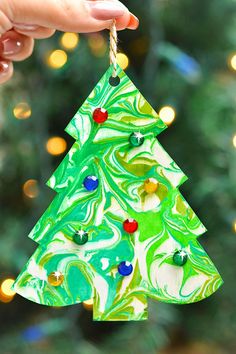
178 57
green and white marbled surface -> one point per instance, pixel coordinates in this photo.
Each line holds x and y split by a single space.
166 221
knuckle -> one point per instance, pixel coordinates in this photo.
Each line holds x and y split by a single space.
65 6
71 10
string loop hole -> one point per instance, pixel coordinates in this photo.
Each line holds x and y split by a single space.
114 80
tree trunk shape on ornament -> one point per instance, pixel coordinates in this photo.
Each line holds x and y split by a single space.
119 230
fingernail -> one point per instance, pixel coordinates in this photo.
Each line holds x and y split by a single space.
11 46
4 67
104 10
133 23
24 27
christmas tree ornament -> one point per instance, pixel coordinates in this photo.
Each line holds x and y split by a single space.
91 183
150 185
80 237
55 278
136 139
154 253
180 257
125 268
100 115
130 226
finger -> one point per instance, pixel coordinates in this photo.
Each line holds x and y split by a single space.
126 20
6 70
36 32
103 10
15 46
66 15
133 23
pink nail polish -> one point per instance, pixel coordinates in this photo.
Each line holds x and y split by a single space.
4 67
24 27
11 46
103 10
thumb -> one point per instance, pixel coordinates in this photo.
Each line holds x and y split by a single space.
64 15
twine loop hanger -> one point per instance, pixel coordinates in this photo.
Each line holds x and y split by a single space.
113 48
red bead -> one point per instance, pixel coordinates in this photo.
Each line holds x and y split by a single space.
100 115
130 226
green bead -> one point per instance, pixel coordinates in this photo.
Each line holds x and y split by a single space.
180 258
80 237
136 139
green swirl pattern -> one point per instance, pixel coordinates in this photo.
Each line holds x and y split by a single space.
166 221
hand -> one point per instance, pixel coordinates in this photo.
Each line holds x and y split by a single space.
21 21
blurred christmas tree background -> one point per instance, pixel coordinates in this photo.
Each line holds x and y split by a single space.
183 59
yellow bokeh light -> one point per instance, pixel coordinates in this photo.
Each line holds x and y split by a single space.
122 60
234 226
88 304
56 145
232 62
6 288
97 44
22 111
167 114
31 189
57 59
69 40
234 141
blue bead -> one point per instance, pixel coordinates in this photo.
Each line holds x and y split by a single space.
90 183
125 268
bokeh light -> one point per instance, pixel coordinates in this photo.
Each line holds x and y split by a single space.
122 60
56 145
57 59
234 141
31 189
234 226
69 40
232 62
22 111
88 304
97 44
6 293
6 287
167 114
